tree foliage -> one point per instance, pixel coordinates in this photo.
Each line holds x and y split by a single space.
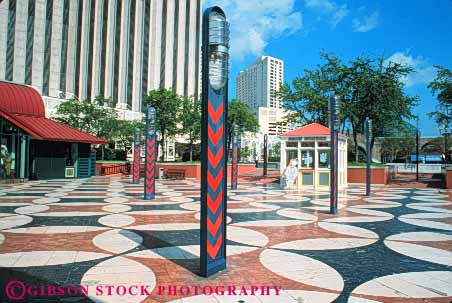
307 99
167 105
94 117
392 148
190 120
435 145
124 129
366 87
442 87
239 114
99 118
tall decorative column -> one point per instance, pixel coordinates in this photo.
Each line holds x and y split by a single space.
334 152
213 141
368 154
235 151
265 155
151 153
136 155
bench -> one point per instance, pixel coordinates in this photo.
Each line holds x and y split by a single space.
115 169
176 174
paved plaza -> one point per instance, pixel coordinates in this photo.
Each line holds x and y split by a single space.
393 247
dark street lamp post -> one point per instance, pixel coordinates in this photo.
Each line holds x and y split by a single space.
265 155
215 60
151 154
368 154
235 154
136 155
417 153
334 152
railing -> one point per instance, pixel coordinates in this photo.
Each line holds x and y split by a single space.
411 168
115 169
12 181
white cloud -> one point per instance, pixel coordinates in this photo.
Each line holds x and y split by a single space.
334 12
366 23
423 74
254 23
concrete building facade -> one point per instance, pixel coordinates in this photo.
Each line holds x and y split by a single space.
256 87
120 49
257 84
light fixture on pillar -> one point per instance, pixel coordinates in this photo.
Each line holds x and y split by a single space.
215 54
218 50
151 152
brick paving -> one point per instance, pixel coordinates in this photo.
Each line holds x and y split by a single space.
395 246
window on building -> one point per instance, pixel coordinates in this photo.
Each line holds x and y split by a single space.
307 159
10 41
47 48
324 159
29 47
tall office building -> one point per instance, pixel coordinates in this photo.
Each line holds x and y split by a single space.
116 48
256 85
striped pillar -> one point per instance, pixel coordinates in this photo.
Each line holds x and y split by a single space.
213 153
235 151
334 153
136 155
265 155
151 153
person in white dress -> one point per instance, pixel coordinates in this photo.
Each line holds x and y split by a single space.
290 174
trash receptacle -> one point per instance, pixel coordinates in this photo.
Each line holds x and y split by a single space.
161 173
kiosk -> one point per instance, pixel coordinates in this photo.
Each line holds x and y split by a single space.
310 145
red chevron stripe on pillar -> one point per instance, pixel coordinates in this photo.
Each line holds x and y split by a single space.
136 164
149 182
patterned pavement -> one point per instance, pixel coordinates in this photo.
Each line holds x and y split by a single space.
393 247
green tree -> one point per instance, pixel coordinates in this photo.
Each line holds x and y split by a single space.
244 153
190 118
366 87
95 117
392 148
123 132
239 114
375 90
442 87
167 106
307 99
277 149
435 145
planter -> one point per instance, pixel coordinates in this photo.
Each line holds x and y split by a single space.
449 178
357 174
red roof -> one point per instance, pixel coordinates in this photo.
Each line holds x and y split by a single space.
313 129
23 106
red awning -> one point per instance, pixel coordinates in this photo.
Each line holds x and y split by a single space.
46 129
22 106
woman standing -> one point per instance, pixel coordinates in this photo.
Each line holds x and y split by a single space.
290 174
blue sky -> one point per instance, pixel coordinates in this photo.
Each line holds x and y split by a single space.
417 33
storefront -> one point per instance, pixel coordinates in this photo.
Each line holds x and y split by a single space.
310 146
35 147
